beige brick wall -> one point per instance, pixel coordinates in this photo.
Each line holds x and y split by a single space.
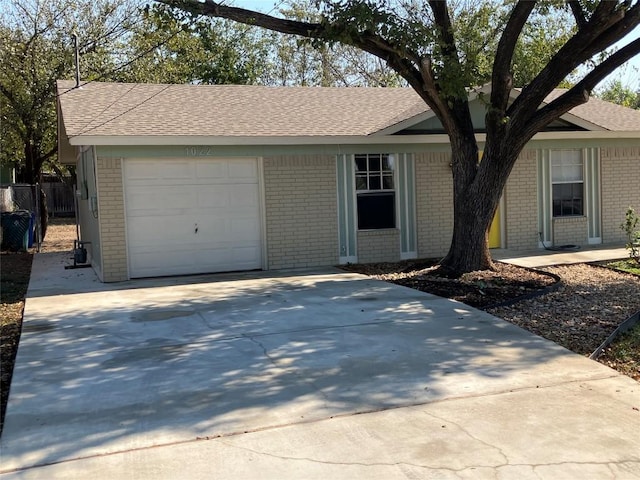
379 245
570 231
112 219
620 186
434 203
521 204
301 211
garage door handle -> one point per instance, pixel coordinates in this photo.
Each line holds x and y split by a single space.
196 229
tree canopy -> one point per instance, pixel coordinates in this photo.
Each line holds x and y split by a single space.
36 49
438 49
616 92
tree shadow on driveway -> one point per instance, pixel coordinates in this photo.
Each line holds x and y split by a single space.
126 368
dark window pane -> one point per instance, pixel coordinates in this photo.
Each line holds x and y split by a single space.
361 182
376 210
557 208
374 163
568 199
387 163
361 163
387 182
374 182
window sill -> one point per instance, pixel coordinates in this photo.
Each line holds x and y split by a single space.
570 219
370 230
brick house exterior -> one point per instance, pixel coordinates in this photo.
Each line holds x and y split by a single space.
203 178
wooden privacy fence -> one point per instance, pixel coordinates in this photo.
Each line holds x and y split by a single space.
60 202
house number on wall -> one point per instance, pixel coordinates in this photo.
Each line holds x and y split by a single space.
195 151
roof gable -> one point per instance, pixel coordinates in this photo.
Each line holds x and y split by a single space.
595 115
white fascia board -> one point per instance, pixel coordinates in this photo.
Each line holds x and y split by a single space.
421 117
230 141
583 135
404 124
582 123
437 139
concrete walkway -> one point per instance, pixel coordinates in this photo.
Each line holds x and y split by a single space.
544 258
288 375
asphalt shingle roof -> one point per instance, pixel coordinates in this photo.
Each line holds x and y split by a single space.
229 110
122 109
609 116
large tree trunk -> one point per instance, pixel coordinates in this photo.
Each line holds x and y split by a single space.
469 250
477 188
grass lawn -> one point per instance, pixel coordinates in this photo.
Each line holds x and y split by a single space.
624 353
628 265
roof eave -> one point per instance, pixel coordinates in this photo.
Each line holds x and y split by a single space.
113 140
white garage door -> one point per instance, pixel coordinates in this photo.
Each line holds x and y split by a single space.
192 216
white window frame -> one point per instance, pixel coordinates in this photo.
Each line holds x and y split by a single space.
369 174
557 162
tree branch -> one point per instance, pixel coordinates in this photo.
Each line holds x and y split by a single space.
447 43
578 13
502 78
367 41
49 154
580 92
405 63
211 8
605 27
441 16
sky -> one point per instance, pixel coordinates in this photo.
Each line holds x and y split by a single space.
628 74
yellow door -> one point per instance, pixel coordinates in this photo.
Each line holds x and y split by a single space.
495 230
495 234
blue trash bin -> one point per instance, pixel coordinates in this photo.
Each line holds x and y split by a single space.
15 230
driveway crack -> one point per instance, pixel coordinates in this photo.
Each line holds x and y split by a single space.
265 352
274 362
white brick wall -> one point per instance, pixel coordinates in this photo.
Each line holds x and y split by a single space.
570 231
378 245
434 203
112 219
521 204
301 211
620 175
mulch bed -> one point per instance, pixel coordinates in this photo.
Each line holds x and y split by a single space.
482 289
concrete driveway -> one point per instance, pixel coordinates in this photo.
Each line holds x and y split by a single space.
320 374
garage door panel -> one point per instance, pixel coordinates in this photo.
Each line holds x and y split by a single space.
243 170
176 229
244 230
150 171
214 197
244 196
213 170
157 263
205 219
156 201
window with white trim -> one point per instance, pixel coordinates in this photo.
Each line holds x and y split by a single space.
567 182
375 191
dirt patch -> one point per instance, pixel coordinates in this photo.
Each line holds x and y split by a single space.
61 233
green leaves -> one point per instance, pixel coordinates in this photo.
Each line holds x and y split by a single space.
36 51
616 92
174 48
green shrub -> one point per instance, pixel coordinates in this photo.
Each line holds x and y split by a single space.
630 226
